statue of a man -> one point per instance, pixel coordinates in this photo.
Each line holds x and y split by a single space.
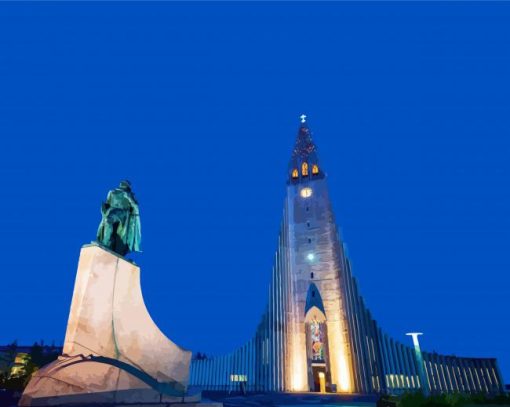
120 229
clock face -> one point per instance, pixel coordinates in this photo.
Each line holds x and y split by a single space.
306 192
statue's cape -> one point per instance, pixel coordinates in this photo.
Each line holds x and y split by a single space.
134 232
101 229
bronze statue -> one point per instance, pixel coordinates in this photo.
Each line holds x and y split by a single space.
119 229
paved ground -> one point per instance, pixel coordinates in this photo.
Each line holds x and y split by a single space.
290 400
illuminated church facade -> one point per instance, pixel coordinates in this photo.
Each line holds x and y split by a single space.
316 333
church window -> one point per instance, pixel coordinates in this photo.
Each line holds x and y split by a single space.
304 169
317 339
315 169
311 274
308 224
295 173
309 240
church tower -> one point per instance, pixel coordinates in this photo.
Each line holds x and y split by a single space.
319 356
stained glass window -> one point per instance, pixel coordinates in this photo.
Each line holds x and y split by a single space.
315 169
295 173
317 340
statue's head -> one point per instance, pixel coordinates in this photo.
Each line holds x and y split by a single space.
125 185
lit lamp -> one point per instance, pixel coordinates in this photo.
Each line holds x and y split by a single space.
424 383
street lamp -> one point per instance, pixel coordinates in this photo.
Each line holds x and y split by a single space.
419 361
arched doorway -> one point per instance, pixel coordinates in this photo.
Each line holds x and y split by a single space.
319 377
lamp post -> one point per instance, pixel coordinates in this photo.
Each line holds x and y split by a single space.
419 361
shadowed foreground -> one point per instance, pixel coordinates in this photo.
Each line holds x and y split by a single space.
291 399
329 400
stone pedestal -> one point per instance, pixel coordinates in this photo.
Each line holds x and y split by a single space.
113 352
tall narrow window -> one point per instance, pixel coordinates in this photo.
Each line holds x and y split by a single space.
295 173
304 169
315 169
317 339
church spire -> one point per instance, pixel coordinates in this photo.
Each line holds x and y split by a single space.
304 144
304 163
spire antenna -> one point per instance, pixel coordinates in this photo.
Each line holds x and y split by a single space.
303 118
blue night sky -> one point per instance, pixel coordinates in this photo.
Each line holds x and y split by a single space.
198 105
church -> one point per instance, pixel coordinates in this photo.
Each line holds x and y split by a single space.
316 334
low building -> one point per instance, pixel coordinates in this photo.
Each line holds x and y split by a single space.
9 354
19 367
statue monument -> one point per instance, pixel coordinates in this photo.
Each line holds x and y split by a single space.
114 354
119 229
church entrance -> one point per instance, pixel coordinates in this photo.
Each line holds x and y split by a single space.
319 378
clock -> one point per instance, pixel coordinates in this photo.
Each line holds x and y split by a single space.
306 192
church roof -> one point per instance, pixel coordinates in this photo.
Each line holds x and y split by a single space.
304 144
304 161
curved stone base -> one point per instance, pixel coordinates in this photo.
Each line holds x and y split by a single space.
78 380
113 352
